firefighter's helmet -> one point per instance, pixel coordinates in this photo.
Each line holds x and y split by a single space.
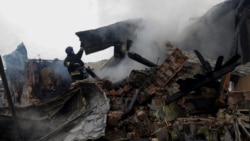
69 50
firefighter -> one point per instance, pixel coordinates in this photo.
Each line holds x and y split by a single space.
74 64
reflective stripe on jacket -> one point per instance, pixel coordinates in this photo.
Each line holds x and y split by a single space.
75 73
67 63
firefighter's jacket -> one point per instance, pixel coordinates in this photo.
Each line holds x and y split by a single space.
74 63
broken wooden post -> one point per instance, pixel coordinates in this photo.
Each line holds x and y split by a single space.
7 91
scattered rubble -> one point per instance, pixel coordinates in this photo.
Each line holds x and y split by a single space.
187 97
184 98
195 115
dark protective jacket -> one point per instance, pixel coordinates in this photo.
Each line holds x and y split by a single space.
75 65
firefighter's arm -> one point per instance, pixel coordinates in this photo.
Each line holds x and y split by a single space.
80 52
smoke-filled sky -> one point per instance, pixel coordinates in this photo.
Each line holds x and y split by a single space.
47 27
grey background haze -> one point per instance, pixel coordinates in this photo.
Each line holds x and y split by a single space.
46 27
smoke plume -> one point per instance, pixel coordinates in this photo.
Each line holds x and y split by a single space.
169 21
213 33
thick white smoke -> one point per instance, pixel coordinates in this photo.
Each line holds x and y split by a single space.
165 20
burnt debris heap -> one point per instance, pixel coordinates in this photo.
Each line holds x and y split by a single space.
189 96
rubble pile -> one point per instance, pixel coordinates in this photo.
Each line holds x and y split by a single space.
187 97
204 105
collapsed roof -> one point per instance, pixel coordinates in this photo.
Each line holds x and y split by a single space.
104 37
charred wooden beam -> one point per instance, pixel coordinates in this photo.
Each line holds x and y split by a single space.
205 64
232 60
129 111
201 81
219 62
91 73
140 59
7 91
